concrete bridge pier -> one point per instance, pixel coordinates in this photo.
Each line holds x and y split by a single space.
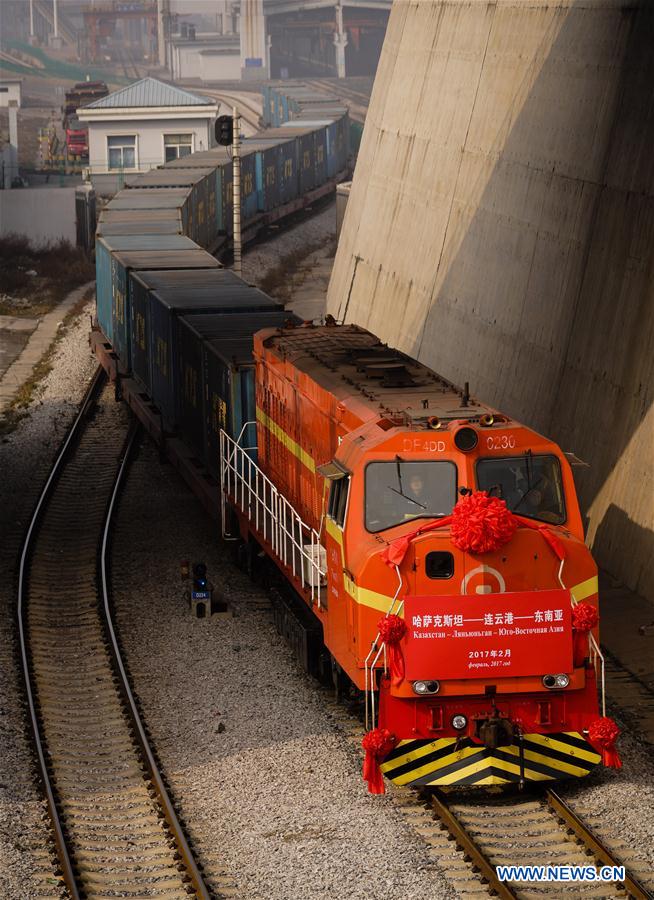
501 229
254 45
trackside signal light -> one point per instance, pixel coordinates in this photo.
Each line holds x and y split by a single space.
200 583
225 131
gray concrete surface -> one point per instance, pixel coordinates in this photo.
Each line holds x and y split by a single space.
21 367
42 214
14 334
501 228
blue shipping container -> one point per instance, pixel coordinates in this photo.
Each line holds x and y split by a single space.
176 293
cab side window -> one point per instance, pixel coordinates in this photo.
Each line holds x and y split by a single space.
337 504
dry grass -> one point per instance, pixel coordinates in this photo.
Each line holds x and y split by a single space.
57 267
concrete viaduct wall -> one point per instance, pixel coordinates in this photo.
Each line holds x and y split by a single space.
501 228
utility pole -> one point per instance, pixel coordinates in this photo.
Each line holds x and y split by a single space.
13 144
340 41
236 167
32 35
163 20
56 18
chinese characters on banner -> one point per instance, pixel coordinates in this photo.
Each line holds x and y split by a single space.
496 635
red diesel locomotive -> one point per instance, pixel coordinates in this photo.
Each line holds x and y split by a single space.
440 546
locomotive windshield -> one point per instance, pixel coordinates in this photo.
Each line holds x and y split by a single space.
530 485
398 491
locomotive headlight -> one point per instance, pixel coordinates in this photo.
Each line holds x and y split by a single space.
465 439
426 687
459 722
552 682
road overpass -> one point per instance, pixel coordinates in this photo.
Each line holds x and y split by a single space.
313 37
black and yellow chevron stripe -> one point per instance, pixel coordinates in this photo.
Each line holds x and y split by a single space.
448 761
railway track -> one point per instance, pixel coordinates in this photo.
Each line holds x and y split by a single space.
529 830
356 101
468 834
632 695
249 109
129 67
116 832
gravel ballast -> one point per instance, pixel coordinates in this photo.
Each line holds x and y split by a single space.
267 782
260 258
25 456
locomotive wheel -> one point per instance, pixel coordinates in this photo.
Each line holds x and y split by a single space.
340 681
245 558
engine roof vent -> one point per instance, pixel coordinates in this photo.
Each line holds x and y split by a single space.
396 376
377 359
379 368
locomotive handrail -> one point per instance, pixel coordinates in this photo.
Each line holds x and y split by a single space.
272 515
368 667
242 432
595 655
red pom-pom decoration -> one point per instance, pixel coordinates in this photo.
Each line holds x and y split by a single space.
391 631
377 743
603 733
481 524
584 619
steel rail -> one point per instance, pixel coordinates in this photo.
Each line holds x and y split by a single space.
339 91
470 848
252 113
67 869
357 103
153 770
567 815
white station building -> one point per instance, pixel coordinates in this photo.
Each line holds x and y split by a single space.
143 126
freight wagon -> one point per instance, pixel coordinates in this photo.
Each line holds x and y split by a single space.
159 299
284 102
148 225
116 257
200 187
216 372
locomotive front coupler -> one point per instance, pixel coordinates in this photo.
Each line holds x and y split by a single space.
495 730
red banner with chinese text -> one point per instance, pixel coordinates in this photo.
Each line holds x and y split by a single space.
488 635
